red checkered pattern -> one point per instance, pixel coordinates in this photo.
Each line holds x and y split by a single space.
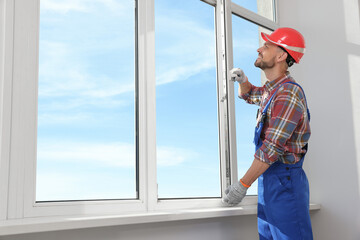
286 129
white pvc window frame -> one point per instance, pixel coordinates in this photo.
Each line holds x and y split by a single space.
6 60
23 114
169 204
19 40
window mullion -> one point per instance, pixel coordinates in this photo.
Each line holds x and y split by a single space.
23 128
147 99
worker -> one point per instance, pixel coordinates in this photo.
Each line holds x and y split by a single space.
281 141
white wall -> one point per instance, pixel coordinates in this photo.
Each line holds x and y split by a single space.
208 229
330 75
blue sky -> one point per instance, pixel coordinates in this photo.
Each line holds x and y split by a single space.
86 99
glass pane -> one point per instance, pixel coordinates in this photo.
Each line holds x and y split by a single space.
86 106
186 103
264 8
246 41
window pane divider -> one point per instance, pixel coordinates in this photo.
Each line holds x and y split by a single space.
147 101
23 128
211 2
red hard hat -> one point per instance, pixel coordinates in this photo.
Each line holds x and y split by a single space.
288 38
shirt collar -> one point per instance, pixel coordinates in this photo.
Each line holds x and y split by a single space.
271 85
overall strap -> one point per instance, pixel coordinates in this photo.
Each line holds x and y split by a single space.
268 103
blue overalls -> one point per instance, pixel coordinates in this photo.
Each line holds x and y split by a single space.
283 196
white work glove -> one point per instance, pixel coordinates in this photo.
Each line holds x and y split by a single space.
234 194
238 75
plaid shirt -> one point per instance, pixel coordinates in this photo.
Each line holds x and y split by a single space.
286 128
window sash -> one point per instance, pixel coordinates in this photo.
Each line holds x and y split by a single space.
23 137
230 9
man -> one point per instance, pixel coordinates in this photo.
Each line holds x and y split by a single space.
281 138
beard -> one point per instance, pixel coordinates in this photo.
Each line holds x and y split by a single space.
260 63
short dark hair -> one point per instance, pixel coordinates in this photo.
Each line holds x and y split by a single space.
289 60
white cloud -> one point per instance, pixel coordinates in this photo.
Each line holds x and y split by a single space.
62 118
178 73
63 185
111 154
172 156
62 73
185 48
70 94
66 71
65 83
245 46
65 6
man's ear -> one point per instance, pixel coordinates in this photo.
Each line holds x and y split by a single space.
282 56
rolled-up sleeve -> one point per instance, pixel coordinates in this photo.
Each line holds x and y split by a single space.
286 112
254 95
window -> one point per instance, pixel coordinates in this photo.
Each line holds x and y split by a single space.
188 160
86 145
124 106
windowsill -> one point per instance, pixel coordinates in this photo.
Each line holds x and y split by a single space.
44 224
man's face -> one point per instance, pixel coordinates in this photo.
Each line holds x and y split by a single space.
267 56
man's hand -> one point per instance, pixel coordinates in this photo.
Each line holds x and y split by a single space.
234 194
237 75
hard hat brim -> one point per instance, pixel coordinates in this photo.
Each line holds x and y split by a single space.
265 37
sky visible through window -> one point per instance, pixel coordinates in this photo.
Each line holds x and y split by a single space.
186 104
86 100
248 4
86 109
